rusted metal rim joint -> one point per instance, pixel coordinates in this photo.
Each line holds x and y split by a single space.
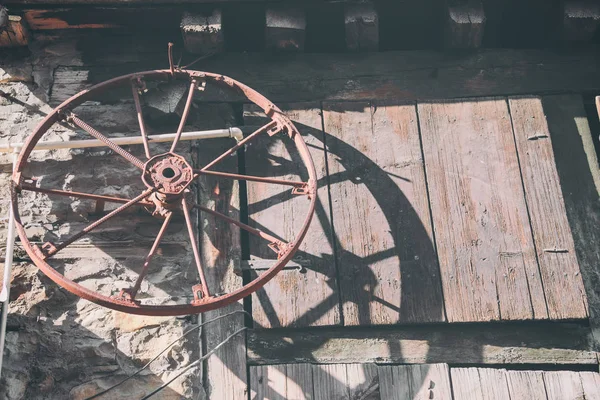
167 178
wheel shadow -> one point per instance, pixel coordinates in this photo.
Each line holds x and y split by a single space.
353 281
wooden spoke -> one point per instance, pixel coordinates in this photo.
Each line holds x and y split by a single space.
254 231
190 227
138 109
50 249
113 146
133 291
186 112
251 178
267 127
89 196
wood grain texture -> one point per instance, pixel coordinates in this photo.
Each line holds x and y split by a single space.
486 252
279 382
563 385
292 298
330 382
362 381
467 383
299 382
577 166
415 382
526 385
268 382
386 257
563 286
220 252
535 343
590 381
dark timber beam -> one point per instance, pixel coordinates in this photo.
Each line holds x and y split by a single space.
580 20
393 75
285 28
511 343
464 25
362 27
202 32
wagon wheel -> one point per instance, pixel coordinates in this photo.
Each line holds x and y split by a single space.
167 178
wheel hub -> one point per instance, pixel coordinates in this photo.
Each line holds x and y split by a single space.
170 174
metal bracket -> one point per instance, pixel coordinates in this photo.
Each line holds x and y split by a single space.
280 248
125 297
48 249
308 189
198 291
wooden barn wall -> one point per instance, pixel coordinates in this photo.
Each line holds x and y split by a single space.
390 133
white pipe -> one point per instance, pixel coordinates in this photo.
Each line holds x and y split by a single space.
8 261
235 133
15 148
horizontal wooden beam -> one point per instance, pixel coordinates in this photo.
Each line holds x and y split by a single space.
398 76
532 343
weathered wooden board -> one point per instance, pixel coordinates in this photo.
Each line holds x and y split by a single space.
299 382
394 75
562 385
526 385
535 343
362 381
220 253
307 382
268 382
330 382
479 383
563 286
577 166
486 251
415 382
292 298
386 257
590 381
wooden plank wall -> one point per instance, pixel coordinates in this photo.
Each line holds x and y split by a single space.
309 296
417 382
565 295
475 180
486 251
385 253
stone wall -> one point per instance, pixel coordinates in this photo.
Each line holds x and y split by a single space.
59 346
